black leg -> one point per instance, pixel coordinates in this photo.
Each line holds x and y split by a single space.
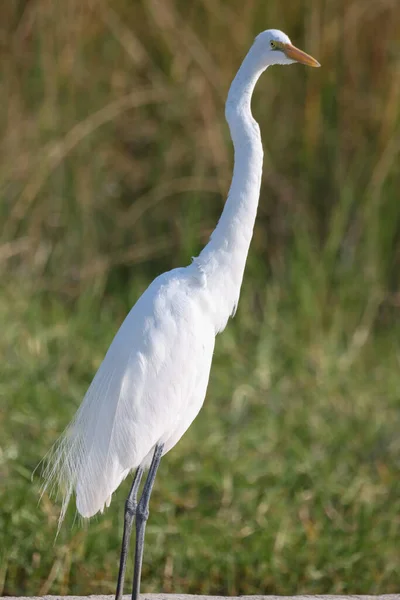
142 514
130 512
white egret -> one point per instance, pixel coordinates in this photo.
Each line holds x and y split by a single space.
153 379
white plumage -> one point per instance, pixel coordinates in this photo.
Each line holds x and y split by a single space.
148 389
153 379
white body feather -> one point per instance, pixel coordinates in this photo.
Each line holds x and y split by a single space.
153 380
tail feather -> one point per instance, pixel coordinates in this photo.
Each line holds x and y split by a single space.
97 450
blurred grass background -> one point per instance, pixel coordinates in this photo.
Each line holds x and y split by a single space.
115 163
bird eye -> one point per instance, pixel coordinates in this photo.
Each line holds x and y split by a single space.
272 44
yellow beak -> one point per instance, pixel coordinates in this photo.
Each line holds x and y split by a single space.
299 56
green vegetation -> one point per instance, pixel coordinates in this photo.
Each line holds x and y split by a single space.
115 165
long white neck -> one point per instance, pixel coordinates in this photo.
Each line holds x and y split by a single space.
223 259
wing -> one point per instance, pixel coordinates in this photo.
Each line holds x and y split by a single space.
138 396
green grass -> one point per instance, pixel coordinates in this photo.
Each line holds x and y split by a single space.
287 482
114 167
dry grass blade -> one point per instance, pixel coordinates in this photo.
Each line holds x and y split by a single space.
55 152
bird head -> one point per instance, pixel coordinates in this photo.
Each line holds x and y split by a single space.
275 48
